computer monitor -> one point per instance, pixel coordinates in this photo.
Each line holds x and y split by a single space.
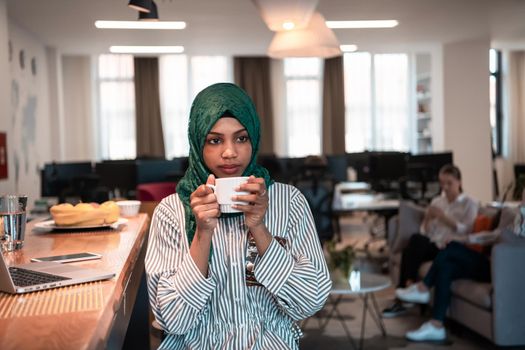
57 178
387 166
272 164
387 170
425 167
519 170
337 167
159 170
519 181
360 162
118 175
378 166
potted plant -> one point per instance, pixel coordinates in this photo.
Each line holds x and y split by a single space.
340 261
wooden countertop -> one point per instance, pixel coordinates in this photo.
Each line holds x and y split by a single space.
73 317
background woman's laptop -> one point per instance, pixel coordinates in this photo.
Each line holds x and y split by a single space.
44 275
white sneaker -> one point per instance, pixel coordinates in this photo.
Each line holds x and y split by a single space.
427 332
413 295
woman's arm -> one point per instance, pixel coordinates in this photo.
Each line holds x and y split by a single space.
177 290
463 224
298 278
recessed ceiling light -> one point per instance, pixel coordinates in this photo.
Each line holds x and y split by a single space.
389 23
146 49
289 25
140 25
348 48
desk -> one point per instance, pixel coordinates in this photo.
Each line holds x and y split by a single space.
364 285
347 202
87 316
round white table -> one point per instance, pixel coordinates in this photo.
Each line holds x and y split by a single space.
364 285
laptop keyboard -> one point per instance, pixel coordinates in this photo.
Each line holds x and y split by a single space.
24 278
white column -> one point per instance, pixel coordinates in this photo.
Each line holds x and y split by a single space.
56 105
466 123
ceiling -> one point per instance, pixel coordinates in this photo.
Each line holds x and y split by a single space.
234 27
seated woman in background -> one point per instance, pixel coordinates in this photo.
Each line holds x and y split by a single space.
236 280
456 261
449 216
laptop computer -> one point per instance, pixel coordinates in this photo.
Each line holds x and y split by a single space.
45 275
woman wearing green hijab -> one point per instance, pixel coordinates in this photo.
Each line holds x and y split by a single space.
232 281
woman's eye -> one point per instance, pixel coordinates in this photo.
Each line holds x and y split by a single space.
214 141
243 139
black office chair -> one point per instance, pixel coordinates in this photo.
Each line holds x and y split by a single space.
319 194
317 186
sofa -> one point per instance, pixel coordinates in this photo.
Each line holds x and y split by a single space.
495 310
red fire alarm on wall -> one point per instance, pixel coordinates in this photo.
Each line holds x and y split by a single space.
3 155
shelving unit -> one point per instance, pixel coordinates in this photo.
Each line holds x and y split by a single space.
424 102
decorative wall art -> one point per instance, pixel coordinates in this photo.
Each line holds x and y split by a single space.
3 155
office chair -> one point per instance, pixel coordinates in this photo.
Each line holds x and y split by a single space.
318 188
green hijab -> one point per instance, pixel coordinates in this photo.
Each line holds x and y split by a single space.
210 105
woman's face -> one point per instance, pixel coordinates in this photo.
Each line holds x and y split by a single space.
228 149
450 185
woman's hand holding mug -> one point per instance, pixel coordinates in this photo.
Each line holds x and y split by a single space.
205 207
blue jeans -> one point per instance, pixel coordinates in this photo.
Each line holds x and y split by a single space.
454 262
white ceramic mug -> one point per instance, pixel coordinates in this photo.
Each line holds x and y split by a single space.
224 189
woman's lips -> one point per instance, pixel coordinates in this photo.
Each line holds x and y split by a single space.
230 169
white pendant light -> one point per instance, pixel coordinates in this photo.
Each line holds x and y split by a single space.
316 40
286 14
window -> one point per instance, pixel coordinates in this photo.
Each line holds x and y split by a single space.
117 107
303 106
173 80
181 79
496 114
377 102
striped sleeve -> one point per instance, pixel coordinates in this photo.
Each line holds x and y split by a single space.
299 278
177 290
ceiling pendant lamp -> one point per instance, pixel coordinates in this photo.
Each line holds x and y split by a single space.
286 14
140 5
152 15
316 40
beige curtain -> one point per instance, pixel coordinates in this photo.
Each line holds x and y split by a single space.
516 127
150 139
253 75
333 107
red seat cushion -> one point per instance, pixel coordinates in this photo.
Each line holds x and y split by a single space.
155 191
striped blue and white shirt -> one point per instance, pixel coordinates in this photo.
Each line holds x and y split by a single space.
221 311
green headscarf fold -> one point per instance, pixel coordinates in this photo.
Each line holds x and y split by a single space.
210 105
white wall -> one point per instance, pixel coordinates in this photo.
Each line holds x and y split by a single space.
466 124
25 108
76 79
6 186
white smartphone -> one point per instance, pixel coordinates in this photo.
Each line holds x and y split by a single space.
69 257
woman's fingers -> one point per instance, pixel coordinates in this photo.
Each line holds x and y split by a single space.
254 185
204 205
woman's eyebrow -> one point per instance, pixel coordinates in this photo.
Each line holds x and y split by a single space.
240 130
220 134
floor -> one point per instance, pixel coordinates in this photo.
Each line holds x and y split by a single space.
355 232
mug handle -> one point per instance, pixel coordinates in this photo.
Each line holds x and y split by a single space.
213 187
